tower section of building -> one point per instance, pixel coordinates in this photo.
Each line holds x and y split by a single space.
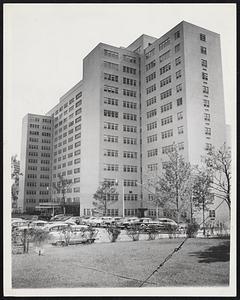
111 133
182 99
66 162
36 162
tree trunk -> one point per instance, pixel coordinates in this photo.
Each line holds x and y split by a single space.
203 219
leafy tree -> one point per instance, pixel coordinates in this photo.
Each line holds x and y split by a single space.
202 196
102 196
218 162
15 173
113 233
61 186
173 184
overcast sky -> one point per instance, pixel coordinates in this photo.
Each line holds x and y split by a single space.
44 46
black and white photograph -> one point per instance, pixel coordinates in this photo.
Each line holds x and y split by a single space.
119 128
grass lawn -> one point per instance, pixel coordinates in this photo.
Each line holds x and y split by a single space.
200 262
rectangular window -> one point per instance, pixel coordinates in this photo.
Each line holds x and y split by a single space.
127 116
205 89
178 74
206 103
151 113
167 149
110 77
202 37
165 81
110 113
177 35
164 44
151 65
129 182
110 53
111 153
167 120
129 81
79 95
207 131
179 88
151 101
129 128
180 130
129 154
150 53
177 48
166 94
178 61
179 101
167 134
110 167
129 70
207 117
129 141
110 65
180 115
110 89
129 58
130 197
151 89
111 101
130 168
208 146
203 50
128 104
204 76
150 77
112 126
152 167
129 93
164 56
165 68
166 107
110 138
152 138
181 146
152 126
204 63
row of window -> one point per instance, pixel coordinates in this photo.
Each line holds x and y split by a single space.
114 153
115 167
125 69
115 55
164 134
164 121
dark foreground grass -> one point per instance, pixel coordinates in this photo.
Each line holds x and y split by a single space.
200 262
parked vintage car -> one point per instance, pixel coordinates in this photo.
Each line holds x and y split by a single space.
107 221
58 232
166 223
130 221
88 220
38 224
20 223
147 222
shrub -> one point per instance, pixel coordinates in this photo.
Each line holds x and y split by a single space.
152 232
192 230
133 231
113 233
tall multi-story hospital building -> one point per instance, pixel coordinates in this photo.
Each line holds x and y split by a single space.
122 119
